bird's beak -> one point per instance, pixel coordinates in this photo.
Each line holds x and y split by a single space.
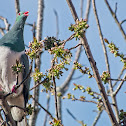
26 13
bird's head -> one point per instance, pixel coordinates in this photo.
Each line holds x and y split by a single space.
22 16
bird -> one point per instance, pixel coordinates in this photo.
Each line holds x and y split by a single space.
12 49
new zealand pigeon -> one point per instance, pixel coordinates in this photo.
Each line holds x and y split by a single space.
12 48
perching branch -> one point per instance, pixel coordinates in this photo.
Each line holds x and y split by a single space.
95 70
6 108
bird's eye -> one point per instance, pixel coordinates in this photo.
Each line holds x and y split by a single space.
19 14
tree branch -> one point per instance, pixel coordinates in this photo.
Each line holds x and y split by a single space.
7 25
95 71
119 86
116 19
17 6
33 117
97 118
106 59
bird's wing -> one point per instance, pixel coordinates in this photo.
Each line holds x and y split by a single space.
24 60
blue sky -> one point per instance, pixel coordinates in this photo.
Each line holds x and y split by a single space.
82 111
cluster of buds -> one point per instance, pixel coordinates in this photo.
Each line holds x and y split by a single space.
35 48
85 71
78 86
105 76
17 68
55 122
79 28
50 42
115 51
37 75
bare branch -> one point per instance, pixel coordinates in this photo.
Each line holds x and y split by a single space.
81 122
95 71
122 71
57 24
43 108
75 46
88 9
116 19
48 101
119 86
17 6
6 108
97 118
106 59
72 9
33 117
122 21
7 25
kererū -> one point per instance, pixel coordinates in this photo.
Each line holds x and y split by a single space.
12 48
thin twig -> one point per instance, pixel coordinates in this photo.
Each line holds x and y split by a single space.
81 122
116 19
48 101
55 95
119 86
75 46
97 118
43 108
70 38
122 21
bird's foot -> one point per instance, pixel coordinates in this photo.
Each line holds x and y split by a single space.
13 89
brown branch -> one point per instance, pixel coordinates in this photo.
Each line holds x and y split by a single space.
43 108
81 122
95 71
17 6
75 46
106 59
97 118
122 21
39 26
120 85
122 71
70 38
116 19
64 87
87 9
48 101
7 25
6 108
